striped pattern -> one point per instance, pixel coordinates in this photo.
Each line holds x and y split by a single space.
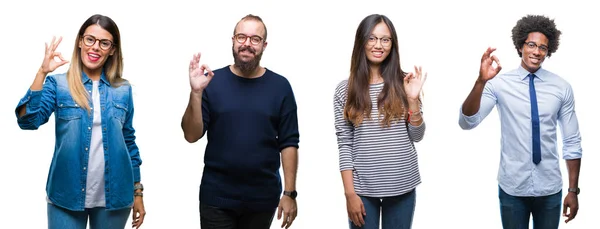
383 159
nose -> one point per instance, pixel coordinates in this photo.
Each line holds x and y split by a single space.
247 41
96 45
378 44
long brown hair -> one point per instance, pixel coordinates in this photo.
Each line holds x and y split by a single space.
392 99
113 67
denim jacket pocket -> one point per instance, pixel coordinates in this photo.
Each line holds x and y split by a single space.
120 111
67 109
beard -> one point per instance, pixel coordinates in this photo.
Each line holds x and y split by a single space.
246 67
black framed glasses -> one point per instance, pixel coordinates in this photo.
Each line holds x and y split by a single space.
532 46
385 41
242 38
89 41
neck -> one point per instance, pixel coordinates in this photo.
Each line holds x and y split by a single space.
93 74
255 73
374 75
530 70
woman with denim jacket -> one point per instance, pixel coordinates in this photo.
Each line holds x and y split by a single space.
95 168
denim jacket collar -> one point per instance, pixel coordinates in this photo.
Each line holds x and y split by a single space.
85 79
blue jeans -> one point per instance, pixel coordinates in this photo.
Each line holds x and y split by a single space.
515 211
100 218
396 211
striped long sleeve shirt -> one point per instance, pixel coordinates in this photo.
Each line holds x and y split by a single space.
383 159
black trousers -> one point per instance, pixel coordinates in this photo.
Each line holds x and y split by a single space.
218 218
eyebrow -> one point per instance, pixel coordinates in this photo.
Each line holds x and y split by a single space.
536 43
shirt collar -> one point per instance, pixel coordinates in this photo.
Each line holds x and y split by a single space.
87 79
523 73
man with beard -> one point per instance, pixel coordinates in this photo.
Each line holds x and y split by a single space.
249 114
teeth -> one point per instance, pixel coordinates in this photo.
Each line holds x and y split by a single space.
94 55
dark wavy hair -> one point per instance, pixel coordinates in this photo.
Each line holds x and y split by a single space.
392 100
536 23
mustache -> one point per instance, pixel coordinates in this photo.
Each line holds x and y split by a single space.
246 48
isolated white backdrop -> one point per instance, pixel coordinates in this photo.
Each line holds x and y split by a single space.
310 42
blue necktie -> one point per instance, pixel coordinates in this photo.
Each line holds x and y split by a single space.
535 122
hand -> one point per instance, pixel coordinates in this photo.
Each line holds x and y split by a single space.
572 204
50 64
413 83
198 81
356 210
287 206
487 70
138 212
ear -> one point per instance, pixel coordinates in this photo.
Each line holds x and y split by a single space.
79 44
265 45
112 51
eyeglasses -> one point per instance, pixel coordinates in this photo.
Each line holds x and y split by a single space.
89 41
532 46
242 38
385 41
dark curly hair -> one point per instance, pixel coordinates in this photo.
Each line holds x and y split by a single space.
536 23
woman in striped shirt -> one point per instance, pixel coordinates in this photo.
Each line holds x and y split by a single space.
377 119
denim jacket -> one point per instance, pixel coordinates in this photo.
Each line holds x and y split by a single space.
66 185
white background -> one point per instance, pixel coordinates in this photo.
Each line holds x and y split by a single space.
310 42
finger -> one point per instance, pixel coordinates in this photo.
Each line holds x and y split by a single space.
361 219
46 49
279 210
417 71
408 77
289 224
191 66
52 43
487 53
57 43
354 219
209 72
286 219
565 208
498 66
197 58
141 218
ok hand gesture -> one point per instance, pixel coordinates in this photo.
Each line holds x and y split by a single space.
50 64
487 70
413 83
198 81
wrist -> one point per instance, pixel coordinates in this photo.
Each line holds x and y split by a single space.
350 193
480 81
573 191
197 93
41 72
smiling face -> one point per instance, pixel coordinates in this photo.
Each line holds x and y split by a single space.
534 51
248 44
379 44
96 46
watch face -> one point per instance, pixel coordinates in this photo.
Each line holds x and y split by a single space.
291 194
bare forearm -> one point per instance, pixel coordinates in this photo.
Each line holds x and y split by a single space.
192 123
348 181
473 101
289 161
573 167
